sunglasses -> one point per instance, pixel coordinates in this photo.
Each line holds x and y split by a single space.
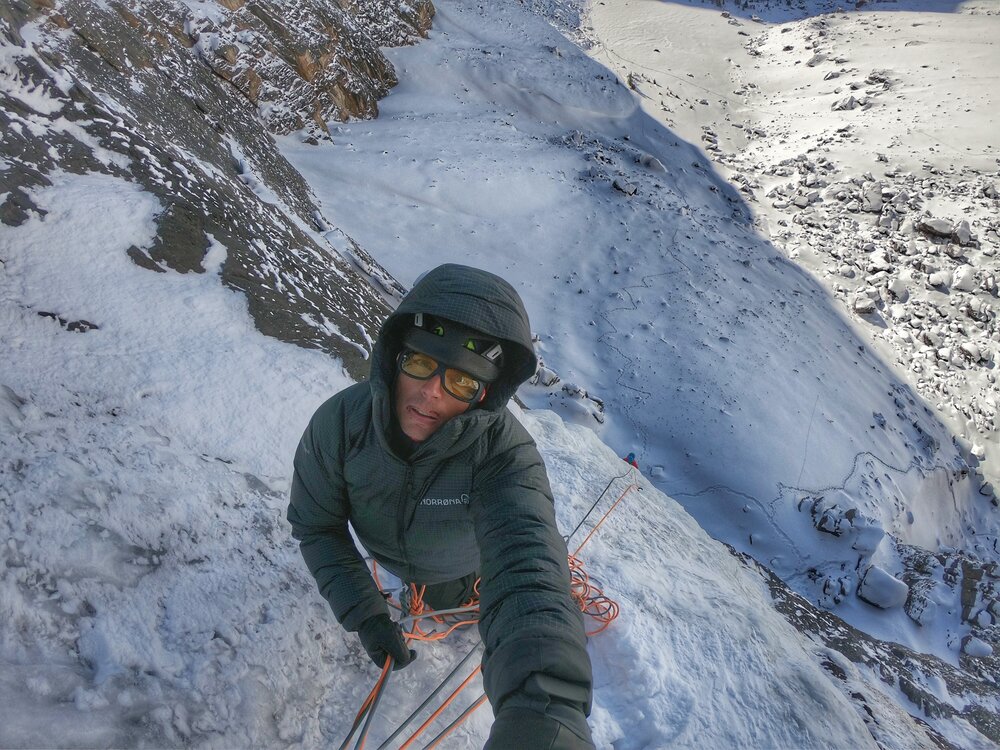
456 383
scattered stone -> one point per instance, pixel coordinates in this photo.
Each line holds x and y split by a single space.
848 103
871 198
936 227
879 77
964 279
939 278
863 305
963 234
624 186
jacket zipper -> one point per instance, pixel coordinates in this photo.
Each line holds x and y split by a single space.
403 510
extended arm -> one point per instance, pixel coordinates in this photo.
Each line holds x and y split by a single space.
318 513
536 668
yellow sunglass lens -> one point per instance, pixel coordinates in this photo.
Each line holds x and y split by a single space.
462 385
419 365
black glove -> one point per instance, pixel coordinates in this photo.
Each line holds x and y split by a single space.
381 636
517 728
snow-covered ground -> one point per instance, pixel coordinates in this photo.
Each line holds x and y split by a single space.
150 594
679 331
869 195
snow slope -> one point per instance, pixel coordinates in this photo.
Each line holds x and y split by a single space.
151 594
678 330
766 100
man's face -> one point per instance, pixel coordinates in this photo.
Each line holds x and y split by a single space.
422 406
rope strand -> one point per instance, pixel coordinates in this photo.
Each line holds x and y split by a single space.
455 724
409 719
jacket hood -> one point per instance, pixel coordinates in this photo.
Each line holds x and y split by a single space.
472 297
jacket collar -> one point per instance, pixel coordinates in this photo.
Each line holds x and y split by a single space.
451 438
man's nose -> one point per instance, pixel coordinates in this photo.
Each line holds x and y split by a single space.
432 387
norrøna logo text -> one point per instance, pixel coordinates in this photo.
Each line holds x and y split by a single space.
463 500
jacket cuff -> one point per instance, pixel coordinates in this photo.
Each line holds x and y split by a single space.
524 729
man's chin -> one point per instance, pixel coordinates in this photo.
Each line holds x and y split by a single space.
418 433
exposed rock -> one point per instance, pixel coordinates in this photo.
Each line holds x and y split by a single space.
964 279
624 186
187 127
847 103
871 198
917 675
936 227
920 608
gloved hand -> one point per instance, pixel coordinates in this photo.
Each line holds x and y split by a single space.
517 728
381 636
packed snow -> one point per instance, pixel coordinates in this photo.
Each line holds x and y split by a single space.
150 593
667 322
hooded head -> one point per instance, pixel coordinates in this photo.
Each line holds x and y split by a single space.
484 330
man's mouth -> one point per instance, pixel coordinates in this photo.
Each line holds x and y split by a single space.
421 415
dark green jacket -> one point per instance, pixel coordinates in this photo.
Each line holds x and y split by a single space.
474 496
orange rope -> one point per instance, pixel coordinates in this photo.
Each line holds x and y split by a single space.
370 700
448 701
378 686
453 622
457 723
590 598
604 518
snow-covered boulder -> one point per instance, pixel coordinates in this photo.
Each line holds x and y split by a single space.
972 351
898 288
882 589
975 647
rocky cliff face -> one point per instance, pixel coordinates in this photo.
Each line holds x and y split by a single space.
182 98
